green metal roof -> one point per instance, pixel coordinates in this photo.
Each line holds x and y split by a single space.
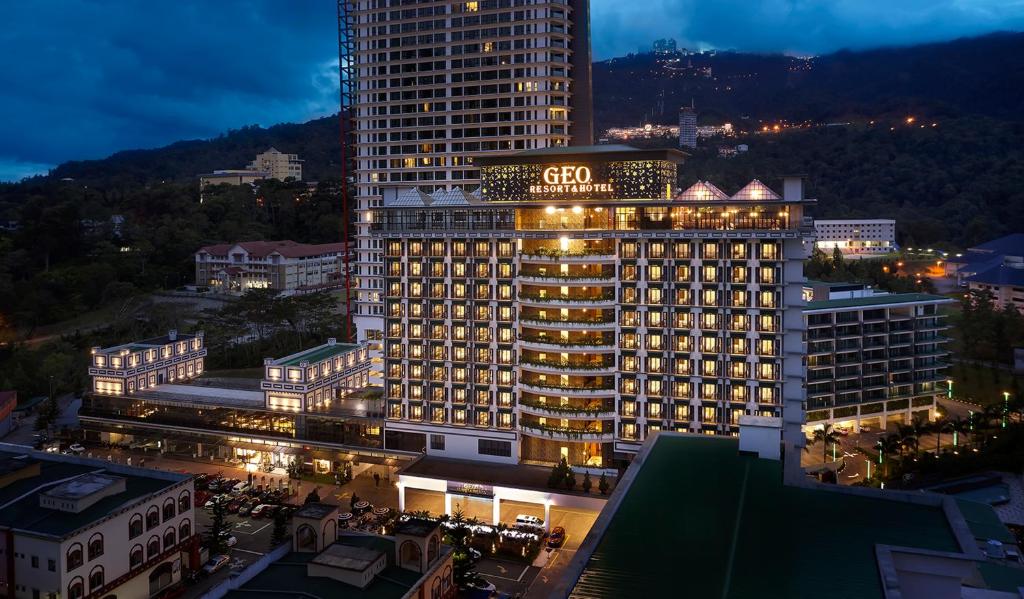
317 354
287 578
875 300
701 520
25 513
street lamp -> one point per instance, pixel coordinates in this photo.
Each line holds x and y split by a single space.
949 388
1006 406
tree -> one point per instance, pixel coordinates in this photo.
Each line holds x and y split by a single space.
556 478
458 537
217 531
889 445
941 425
602 484
826 436
570 479
959 426
313 497
280 533
586 482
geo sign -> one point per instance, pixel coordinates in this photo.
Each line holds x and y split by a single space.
569 179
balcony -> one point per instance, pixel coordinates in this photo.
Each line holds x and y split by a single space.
584 256
587 323
554 279
568 366
560 433
595 411
552 388
557 344
606 298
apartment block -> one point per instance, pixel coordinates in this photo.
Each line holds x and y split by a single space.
285 266
76 527
579 302
445 82
276 165
874 358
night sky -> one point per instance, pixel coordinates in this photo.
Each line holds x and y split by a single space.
85 78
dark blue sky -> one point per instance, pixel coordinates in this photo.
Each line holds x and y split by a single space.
85 78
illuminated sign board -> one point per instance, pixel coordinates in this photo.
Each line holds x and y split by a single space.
569 179
583 180
470 489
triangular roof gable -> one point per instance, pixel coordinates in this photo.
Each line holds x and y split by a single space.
702 191
757 192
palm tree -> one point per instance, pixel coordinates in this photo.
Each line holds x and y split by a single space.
941 425
889 445
920 427
959 426
825 435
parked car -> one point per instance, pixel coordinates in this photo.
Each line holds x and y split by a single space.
229 539
247 508
76 448
233 506
263 509
216 563
531 521
240 487
557 537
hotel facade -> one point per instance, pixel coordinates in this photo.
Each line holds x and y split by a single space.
443 82
874 358
578 302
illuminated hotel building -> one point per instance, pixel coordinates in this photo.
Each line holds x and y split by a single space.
580 302
441 82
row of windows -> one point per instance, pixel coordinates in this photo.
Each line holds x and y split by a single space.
706 391
685 250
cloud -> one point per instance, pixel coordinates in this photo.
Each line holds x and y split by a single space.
85 78
795 26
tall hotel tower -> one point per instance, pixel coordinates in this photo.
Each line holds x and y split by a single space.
442 83
579 302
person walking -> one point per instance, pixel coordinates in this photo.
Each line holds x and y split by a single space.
376 479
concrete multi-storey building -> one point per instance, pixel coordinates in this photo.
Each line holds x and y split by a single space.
687 127
441 83
857 238
313 406
280 265
276 165
135 366
75 527
581 303
873 358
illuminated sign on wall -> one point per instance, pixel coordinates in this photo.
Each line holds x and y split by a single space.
470 489
591 180
569 179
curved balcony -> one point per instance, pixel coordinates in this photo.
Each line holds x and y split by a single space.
606 299
546 256
557 411
534 279
570 324
577 367
556 345
568 391
559 433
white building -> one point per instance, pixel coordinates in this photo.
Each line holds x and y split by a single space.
75 527
857 238
440 85
276 165
687 127
134 366
281 265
